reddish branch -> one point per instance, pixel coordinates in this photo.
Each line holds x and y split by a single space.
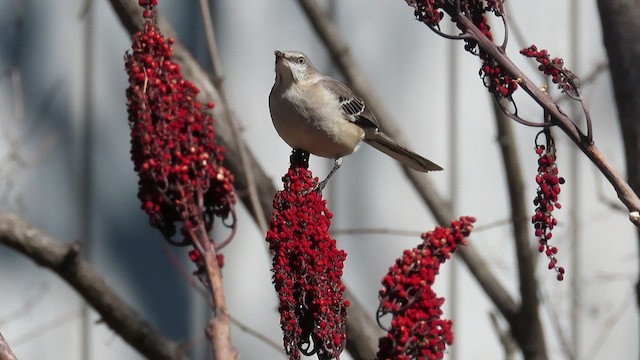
64 259
470 31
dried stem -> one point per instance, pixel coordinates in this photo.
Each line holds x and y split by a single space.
218 330
241 147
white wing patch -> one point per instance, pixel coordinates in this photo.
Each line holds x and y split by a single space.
352 106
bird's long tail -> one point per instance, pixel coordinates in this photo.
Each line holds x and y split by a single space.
408 158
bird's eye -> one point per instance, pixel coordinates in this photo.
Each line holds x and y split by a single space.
301 60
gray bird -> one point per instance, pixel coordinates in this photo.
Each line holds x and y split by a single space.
320 115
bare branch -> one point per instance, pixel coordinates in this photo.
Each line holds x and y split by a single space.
611 321
241 147
528 314
506 339
64 259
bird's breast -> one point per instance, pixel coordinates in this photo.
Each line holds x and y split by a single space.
312 121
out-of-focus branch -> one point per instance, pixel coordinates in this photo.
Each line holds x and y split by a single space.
131 17
64 259
441 209
526 325
508 344
5 350
241 147
362 332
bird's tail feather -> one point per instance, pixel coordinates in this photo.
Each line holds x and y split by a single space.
407 157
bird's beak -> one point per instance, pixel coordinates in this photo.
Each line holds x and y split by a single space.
279 54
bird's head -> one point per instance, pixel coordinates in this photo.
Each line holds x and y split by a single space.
292 66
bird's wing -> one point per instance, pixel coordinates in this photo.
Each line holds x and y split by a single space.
351 106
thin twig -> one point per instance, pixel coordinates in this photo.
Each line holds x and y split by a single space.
256 334
46 327
547 303
218 82
190 280
186 275
605 329
415 233
506 338
26 307
376 231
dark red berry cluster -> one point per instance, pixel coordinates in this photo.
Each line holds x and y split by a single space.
498 81
546 202
553 68
495 78
496 6
307 269
427 11
418 330
181 178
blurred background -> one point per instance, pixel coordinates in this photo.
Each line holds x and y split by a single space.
65 167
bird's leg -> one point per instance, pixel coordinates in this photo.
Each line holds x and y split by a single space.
323 183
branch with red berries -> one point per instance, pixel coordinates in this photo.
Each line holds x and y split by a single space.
307 272
502 77
307 267
417 330
183 186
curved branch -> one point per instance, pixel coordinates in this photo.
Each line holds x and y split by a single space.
445 35
514 115
64 259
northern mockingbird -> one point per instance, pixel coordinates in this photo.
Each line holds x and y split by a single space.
321 115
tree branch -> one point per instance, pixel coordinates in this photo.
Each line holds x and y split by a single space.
64 259
625 193
526 326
